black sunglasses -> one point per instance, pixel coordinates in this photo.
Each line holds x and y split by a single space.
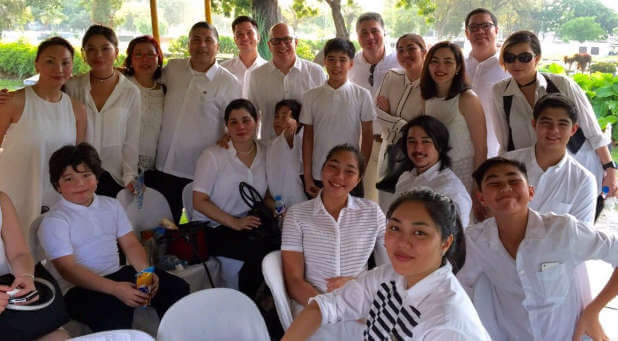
524 57
372 69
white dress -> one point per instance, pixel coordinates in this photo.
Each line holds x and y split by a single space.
28 144
462 149
152 115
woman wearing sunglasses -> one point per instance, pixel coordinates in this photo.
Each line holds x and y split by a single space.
515 97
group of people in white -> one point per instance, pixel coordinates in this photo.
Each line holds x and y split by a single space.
473 246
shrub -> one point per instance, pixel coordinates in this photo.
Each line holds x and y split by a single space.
602 91
552 68
604 67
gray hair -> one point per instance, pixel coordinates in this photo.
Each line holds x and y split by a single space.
373 16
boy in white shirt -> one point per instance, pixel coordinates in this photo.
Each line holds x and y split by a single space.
81 234
335 113
519 267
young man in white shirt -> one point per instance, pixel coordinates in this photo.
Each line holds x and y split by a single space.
483 66
246 38
370 66
335 113
198 90
519 267
286 76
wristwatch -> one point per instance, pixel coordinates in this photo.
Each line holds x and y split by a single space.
610 164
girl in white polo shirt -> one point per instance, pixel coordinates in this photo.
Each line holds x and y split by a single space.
417 296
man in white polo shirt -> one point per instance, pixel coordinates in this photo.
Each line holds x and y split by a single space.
246 37
286 76
483 66
198 90
370 66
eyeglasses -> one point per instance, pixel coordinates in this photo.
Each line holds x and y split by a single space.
524 57
484 26
372 69
278 41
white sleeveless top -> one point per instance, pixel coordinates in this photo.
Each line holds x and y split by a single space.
462 149
4 263
28 144
152 115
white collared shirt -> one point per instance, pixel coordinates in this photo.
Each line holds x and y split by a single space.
333 248
193 114
284 166
268 85
435 308
115 130
523 132
442 181
89 233
219 172
360 72
242 73
534 296
566 187
482 76
336 116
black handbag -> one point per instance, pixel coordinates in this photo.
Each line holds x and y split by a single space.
396 163
269 225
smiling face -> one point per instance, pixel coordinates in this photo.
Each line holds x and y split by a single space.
203 46
505 190
553 129
144 59
414 242
55 65
100 53
337 64
78 185
283 119
370 35
421 149
519 70
443 66
409 55
481 31
241 126
245 36
282 44
340 174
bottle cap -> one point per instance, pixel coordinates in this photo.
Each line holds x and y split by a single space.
605 190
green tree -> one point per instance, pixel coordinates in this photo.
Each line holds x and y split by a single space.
581 29
104 11
561 11
14 14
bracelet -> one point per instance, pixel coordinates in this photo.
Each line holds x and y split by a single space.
26 275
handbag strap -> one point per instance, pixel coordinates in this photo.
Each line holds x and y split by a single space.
249 194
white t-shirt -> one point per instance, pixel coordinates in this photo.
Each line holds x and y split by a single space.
219 172
435 308
89 233
268 85
534 296
284 167
442 181
333 248
193 114
242 73
115 130
336 116
482 76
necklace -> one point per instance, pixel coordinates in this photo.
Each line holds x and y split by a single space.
527 84
101 80
248 151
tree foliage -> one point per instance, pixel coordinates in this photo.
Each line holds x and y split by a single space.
581 29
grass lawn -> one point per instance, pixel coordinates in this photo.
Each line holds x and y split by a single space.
11 84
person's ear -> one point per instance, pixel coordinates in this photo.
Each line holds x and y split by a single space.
530 192
574 128
446 244
533 123
295 43
480 197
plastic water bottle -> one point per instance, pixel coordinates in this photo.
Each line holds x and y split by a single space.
609 203
139 190
279 205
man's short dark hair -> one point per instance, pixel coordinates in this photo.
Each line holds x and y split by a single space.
438 133
243 18
206 25
373 16
73 156
480 172
339 45
555 100
294 106
481 11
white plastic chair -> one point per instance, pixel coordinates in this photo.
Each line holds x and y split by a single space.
154 208
116 335
213 314
229 266
273 276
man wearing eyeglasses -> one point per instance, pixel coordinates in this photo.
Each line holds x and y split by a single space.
483 66
370 66
286 76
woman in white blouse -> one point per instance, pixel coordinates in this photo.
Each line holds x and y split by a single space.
520 56
113 106
399 99
217 200
417 296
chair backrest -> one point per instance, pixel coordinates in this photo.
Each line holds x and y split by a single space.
273 276
154 208
38 254
187 199
116 335
213 314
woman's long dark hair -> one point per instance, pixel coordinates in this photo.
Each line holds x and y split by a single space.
429 88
